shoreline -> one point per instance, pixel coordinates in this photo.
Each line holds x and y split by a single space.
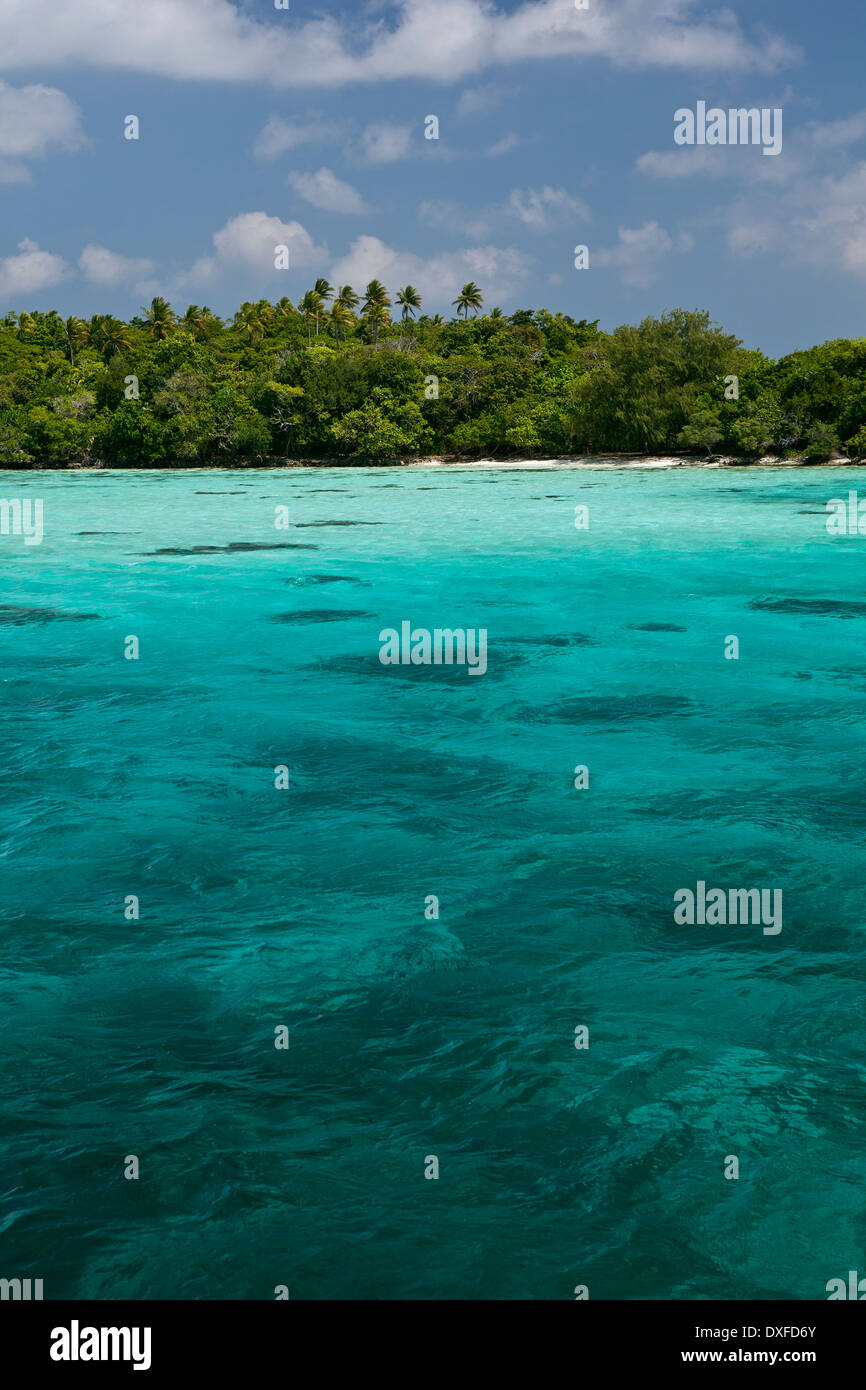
448 461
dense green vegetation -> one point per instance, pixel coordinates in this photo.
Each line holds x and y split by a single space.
338 375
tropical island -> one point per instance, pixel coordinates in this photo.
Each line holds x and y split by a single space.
344 377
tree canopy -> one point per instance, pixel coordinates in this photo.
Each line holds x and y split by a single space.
344 373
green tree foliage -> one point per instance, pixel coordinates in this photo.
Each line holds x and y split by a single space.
643 382
383 426
159 320
470 297
135 435
334 376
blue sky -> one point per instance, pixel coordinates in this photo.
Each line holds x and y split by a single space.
306 127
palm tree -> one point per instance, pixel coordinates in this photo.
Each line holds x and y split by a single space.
250 322
56 323
376 293
496 313
311 307
194 320
44 329
160 319
324 291
346 295
470 297
410 300
284 308
108 335
210 321
200 322
378 318
265 311
341 317
376 305
76 336
115 337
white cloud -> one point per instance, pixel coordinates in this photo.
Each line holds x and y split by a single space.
30 271
804 209
248 243
444 215
324 190
807 208
447 41
35 118
479 100
748 236
836 134
542 208
202 272
820 221
722 161
251 238
103 267
279 136
34 121
539 209
640 252
508 142
689 161
383 143
497 270
841 218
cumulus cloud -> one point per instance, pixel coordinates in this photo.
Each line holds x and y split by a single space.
103 267
248 243
840 214
807 208
278 136
383 143
447 41
720 162
31 270
539 209
439 278
543 208
689 161
324 190
34 121
749 236
34 118
445 215
250 240
504 145
477 101
639 253
838 134
819 221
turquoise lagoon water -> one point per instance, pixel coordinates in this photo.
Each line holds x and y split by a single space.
413 1037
